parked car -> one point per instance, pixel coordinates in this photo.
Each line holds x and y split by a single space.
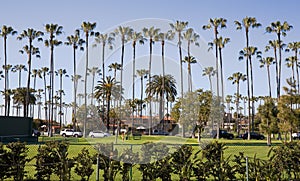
36 133
98 134
70 133
253 135
296 136
222 134
160 132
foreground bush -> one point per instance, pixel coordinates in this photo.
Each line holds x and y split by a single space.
152 161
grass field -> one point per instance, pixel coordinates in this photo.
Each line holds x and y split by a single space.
249 147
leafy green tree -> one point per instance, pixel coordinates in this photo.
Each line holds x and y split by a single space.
5 32
17 158
183 160
3 162
280 30
87 28
268 115
84 164
287 115
220 167
128 159
108 157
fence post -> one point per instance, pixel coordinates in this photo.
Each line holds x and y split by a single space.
97 168
247 169
131 165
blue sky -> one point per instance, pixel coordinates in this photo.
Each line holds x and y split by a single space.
109 14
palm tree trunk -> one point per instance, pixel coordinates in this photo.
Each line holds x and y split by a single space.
248 83
52 88
163 81
237 107
133 84
26 108
181 76
75 89
217 75
6 108
222 80
252 95
269 81
85 83
60 102
297 71
150 98
279 66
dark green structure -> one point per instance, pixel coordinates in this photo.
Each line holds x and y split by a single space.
16 129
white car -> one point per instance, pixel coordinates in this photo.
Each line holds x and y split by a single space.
98 134
296 135
70 133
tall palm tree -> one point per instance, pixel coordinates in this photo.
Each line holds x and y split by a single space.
124 33
20 97
105 89
8 92
290 63
209 71
76 42
135 37
87 28
247 23
36 73
152 35
266 62
215 24
53 30
189 60
114 66
39 103
179 27
275 45
30 50
61 73
221 45
18 68
192 38
142 73
44 72
93 71
248 53
236 78
5 32
279 29
295 46
156 88
104 39
167 36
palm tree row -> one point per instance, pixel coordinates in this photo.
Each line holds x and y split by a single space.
151 34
